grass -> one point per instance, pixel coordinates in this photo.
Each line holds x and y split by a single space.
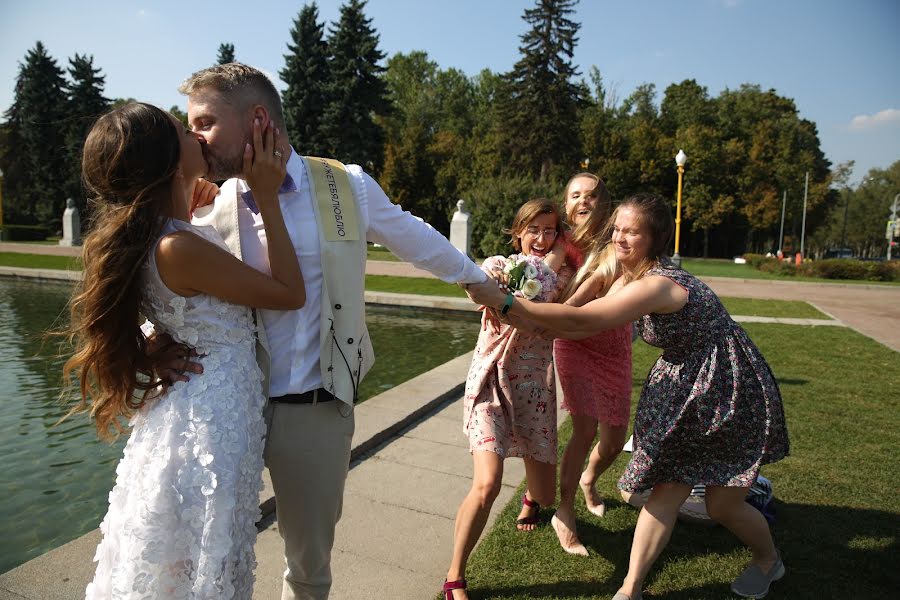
39 261
772 308
436 287
413 285
713 267
838 510
381 253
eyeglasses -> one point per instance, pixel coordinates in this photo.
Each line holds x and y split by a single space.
549 234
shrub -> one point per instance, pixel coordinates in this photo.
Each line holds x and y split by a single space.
24 233
755 260
840 268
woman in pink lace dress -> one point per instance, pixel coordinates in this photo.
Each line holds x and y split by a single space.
510 399
594 373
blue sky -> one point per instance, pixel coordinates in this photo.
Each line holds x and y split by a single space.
837 60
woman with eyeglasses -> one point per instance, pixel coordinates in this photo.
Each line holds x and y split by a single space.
510 398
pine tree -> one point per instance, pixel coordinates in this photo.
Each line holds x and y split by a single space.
86 104
36 125
226 54
543 108
306 74
356 92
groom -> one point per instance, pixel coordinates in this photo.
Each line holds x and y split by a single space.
314 357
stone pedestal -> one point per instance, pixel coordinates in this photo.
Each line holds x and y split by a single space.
71 225
461 229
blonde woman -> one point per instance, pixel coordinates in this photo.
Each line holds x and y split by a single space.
594 372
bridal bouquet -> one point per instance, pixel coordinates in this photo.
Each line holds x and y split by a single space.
529 277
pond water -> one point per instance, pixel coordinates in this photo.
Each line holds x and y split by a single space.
56 477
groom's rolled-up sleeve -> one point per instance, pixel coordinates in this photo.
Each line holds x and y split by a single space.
409 237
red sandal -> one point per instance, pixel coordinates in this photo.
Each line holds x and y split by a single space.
449 586
533 519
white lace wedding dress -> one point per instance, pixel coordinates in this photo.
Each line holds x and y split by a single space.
182 514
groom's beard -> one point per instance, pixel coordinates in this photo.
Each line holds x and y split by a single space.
225 167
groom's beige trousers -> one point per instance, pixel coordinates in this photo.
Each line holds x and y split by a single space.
308 456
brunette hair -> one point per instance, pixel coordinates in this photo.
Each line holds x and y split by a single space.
239 85
656 214
526 213
585 236
131 156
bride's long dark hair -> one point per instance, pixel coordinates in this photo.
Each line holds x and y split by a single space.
131 157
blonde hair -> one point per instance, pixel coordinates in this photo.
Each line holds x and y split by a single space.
239 85
527 213
592 239
585 236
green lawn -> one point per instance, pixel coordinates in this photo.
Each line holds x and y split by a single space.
381 253
838 511
716 267
436 287
39 261
772 308
413 285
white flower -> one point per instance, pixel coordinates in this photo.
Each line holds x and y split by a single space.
509 266
530 271
531 288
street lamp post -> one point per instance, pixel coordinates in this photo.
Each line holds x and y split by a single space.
680 159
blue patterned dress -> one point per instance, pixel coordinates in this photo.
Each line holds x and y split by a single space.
710 411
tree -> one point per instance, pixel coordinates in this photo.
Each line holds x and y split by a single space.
179 114
226 54
306 74
86 104
356 92
544 100
36 123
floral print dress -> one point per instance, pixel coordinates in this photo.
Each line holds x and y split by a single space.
182 515
710 411
510 399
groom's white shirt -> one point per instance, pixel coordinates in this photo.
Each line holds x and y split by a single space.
293 336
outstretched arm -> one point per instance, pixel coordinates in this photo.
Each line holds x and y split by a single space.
412 239
655 294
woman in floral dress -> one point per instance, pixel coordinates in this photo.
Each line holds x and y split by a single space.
510 398
710 412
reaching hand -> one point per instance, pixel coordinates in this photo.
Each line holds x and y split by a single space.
204 193
265 163
487 293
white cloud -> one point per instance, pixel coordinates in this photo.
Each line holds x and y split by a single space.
866 122
143 13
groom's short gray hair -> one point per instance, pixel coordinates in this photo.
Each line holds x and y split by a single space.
239 85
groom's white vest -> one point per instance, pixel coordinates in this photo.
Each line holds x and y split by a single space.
346 353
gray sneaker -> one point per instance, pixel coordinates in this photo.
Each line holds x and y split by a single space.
624 596
753 583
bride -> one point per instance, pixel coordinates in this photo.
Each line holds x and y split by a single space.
182 514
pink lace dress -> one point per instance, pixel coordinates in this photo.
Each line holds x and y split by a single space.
510 400
595 374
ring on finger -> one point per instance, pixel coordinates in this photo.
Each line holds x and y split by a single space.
277 153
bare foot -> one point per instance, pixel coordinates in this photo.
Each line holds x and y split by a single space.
592 499
564 526
527 512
